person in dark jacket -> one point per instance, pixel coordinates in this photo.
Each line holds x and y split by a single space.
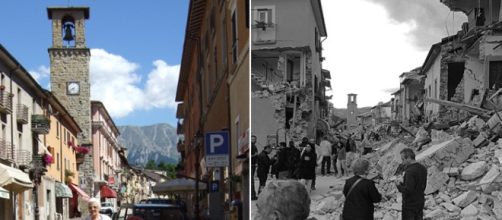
281 166
359 203
413 186
264 163
293 156
307 164
254 165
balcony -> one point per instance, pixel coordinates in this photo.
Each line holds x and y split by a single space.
5 102
264 33
40 124
22 114
6 150
23 157
97 124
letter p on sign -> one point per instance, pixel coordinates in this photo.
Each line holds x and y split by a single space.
216 140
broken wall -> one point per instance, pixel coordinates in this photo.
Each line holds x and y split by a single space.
432 88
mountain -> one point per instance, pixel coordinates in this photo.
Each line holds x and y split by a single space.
154 142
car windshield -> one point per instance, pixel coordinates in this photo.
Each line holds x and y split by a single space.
158 213
106 204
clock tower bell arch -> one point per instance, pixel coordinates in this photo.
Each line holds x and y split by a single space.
69 61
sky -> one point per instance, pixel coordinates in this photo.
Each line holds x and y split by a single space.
136 49
371 42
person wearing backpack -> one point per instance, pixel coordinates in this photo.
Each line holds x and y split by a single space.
360 194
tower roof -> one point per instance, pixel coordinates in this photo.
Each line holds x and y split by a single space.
51 10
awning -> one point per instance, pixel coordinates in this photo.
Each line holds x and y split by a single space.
14 180
177 185
76 189
107 192
4 193
63 191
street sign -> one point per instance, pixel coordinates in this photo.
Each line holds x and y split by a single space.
216 148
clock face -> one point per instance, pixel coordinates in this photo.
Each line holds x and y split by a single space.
73 88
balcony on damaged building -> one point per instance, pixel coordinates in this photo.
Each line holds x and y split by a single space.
5 100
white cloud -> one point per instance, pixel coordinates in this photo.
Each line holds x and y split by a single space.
160 89
115 82
366 51
40 73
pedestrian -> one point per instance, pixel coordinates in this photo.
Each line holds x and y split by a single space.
280 165
360 193
264 163
293 156
413 186
254 165
315 149
325 150
341 162
307 165
334 155
94 207
283 199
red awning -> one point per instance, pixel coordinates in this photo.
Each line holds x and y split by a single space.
107 192
75 188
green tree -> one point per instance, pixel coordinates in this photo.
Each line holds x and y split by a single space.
151 165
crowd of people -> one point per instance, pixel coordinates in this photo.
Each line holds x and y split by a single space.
295 165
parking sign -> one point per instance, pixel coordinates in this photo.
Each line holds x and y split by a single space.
217 149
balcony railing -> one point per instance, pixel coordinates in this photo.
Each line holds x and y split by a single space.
22 114
6 151
40 124
23 157
5 102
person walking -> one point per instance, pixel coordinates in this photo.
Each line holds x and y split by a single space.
413 186
254 165
325 148
360 193
341 162
264 162
307 165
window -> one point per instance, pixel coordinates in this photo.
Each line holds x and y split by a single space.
316 39
224 43
435 88
495 78
57 129
57 161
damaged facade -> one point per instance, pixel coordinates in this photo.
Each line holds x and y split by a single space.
465 68
288 82
411 96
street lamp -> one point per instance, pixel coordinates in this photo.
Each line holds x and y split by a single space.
198 139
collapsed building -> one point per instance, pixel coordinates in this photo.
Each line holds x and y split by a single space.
466 68
288 83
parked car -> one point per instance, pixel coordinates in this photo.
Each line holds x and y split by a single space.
107 208
150 212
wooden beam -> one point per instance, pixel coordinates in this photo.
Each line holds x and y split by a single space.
462 106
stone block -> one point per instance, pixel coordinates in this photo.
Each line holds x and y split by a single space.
498 155
437 213
494 121
489 178
476 123
438 136
451 171
465 199
435 180
449 153
474 170
497 209
391 160
450 207
470 210
328 205
481 140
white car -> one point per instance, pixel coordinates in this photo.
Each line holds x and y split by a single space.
106 208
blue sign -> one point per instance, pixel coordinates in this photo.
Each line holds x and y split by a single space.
215 186
216 148
216 143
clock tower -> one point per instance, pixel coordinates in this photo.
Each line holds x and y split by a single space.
69 59
70 83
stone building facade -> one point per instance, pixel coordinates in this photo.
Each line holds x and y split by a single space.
70 81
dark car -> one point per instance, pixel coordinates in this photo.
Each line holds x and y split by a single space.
151 212
159 212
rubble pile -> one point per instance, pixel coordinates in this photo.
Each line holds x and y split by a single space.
464 176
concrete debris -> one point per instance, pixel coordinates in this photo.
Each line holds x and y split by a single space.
464 177
473 170
435 180
450 207
470 210
449 153
451 171
465 199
